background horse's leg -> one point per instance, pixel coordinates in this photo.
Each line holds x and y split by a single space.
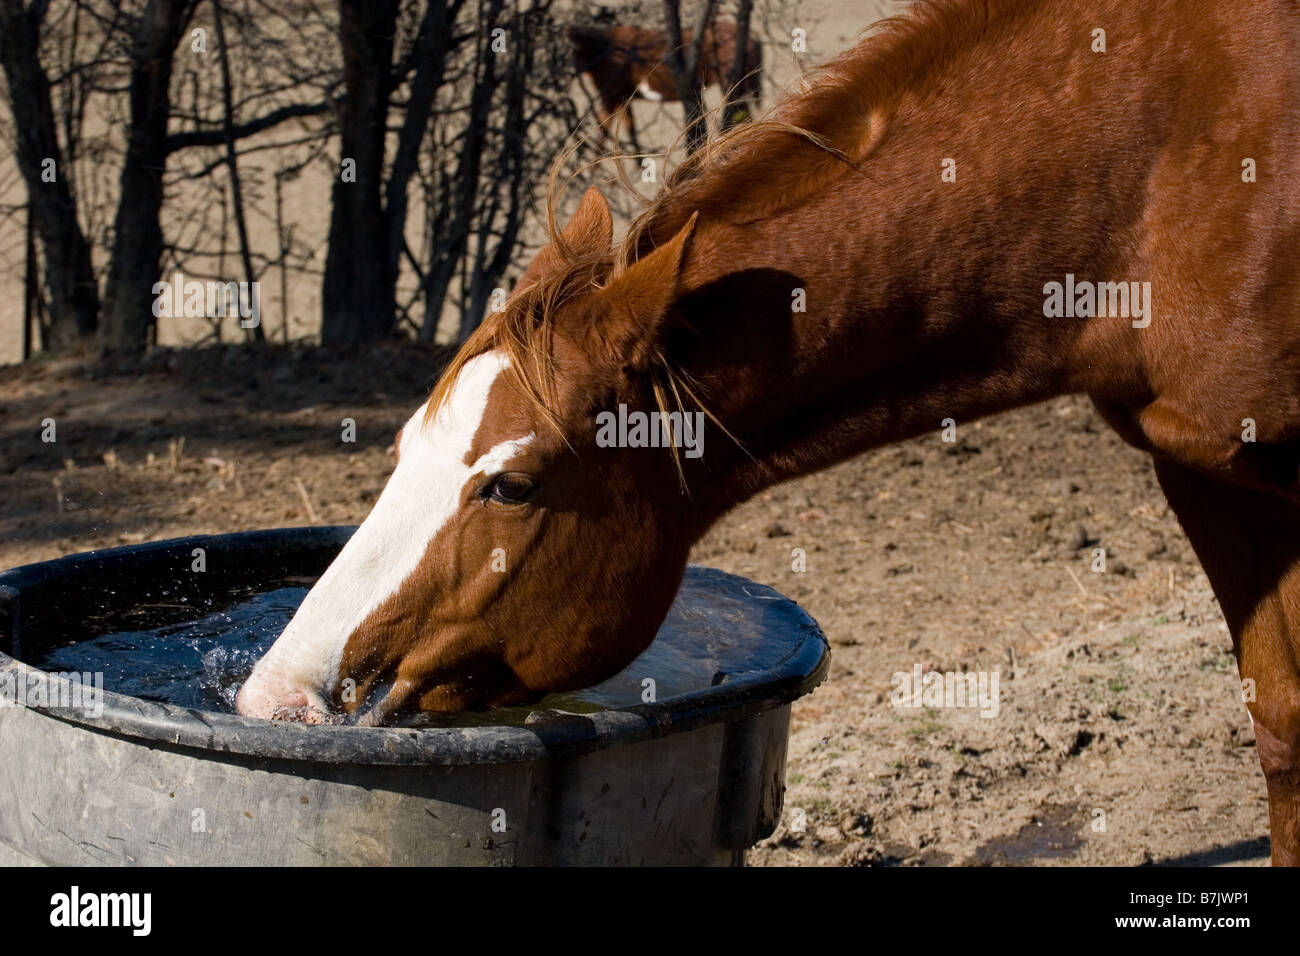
602 115
631 127
1249 544
611 121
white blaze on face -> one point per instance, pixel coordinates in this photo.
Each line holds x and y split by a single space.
420 497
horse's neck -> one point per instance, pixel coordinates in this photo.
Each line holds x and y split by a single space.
884 302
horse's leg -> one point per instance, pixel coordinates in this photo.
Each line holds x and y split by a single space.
631 128
617 115
603 119
1249 544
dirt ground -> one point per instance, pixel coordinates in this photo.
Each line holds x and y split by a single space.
1121 737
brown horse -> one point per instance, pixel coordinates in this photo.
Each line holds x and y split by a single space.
975 209
627 63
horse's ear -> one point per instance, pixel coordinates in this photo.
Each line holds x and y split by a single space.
589 233
639 301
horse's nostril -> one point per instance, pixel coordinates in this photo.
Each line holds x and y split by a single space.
295 698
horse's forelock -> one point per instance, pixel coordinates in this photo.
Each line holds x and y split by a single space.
525 330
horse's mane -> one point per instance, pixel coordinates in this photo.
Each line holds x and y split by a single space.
841 112
833 114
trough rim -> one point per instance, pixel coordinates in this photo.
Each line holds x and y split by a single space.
547 735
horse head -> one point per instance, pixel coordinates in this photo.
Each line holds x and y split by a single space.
512 553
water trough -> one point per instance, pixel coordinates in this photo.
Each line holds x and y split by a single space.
694 777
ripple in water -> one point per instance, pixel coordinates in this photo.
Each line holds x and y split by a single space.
199 664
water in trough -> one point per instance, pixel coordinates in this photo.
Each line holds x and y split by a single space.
201 662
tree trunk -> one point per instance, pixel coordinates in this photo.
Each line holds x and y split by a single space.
431 47
512 178
74 298
442 267
737 108
356 306
254 331
684 62
137 232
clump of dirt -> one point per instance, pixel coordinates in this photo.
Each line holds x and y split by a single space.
1120 736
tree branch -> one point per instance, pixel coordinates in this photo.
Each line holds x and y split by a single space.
216 137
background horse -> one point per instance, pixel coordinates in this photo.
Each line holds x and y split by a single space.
627 63
891 251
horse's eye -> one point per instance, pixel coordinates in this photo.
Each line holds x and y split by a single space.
511 488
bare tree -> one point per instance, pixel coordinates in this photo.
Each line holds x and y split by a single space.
684 61
735 110
137 233
52 207
355 305
505 195
176 161
283 84
275 94
431 47
505 115
232 161
450 252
